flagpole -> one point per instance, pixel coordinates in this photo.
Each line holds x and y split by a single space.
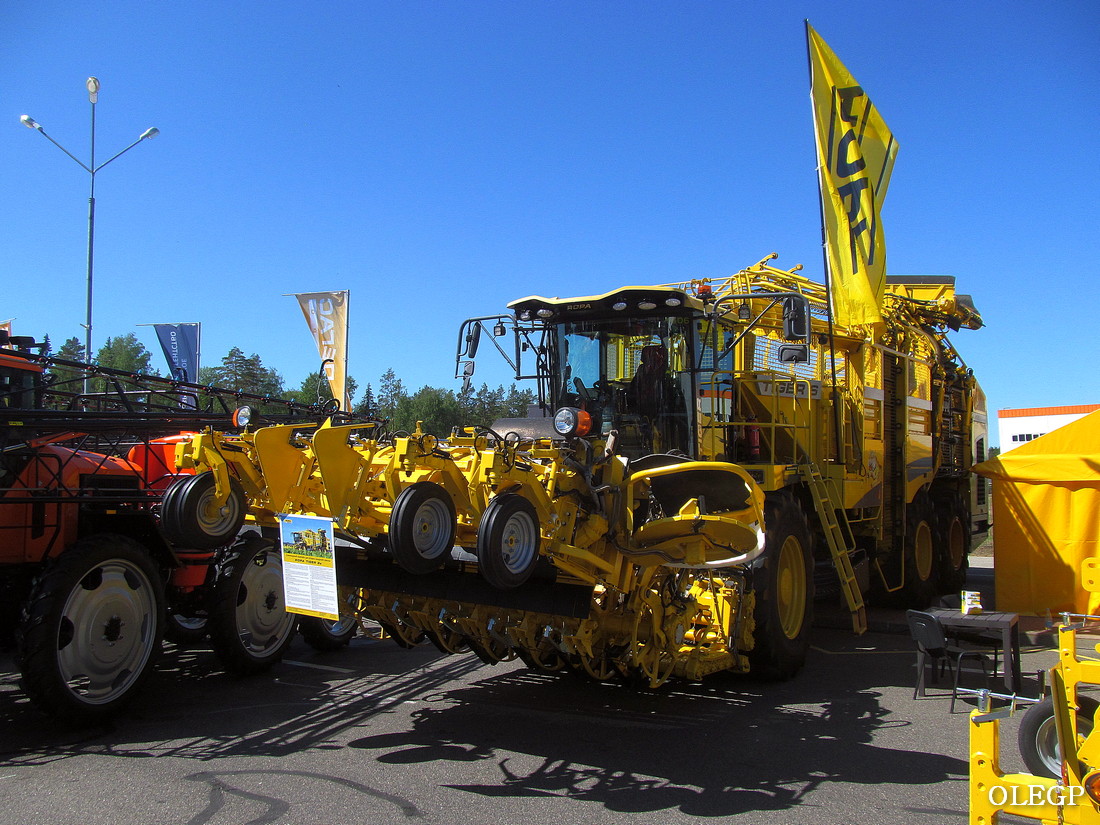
837 422
346 400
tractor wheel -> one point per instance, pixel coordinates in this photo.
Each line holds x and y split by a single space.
784 587
91 628
249 626
184 630
422 527
952 538
191 517
325 634
1038 736
508 541
920 554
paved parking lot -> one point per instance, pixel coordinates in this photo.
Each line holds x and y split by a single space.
377 734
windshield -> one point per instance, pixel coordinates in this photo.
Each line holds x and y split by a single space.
632 375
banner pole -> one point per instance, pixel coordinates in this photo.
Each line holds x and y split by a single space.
821 188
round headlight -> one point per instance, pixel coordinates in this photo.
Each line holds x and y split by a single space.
646 305
242 416
570 421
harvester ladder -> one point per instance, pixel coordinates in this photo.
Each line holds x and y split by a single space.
838 535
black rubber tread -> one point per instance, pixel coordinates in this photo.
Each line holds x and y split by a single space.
1036 734
179 513
320 634
237 653
182 630
402 527
950 509
41 626
775 655
918 592
490 541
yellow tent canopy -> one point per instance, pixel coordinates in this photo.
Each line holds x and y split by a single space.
1046 519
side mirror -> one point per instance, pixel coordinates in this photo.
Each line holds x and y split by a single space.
473 337
794 319
793 353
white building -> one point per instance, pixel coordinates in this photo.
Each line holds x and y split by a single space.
1019 426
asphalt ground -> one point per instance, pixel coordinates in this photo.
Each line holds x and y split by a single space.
377 734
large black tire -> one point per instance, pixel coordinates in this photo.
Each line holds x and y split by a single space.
249 626
325 634
190 516
1038 738
91 629
184 630
783 584
422 527
920 554
508 541
952 538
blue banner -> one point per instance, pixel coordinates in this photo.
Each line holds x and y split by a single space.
180 343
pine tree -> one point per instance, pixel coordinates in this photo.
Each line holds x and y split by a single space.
126 353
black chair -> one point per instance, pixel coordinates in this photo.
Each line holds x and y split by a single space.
933 648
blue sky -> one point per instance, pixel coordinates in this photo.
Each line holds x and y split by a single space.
439 159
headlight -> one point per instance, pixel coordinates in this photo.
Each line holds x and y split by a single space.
570 421
242 417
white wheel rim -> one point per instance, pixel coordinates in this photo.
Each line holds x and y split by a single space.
107 631
262 620
518 541
431 529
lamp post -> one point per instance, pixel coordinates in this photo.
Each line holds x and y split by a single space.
91 169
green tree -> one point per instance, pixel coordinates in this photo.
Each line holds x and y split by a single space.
315 389
367 404
126 353
390 393
243 374
436 409
67 379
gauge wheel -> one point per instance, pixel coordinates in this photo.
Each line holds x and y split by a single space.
91 628
422 527
191 516
250 628
508 541
184 630
326 634
1038 736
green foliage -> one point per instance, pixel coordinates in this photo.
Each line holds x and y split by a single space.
441 410
315 389
66 378
126 353
243 374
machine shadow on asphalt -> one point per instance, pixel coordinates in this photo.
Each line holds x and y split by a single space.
726 746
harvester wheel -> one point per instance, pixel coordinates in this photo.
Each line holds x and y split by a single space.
249 626
1038 737
91 628
326 634
920 554
422 527
952 522
191 516
784 587
508 541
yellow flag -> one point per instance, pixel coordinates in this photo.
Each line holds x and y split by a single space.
327 316
856 154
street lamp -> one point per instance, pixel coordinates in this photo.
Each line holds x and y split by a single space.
91 169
